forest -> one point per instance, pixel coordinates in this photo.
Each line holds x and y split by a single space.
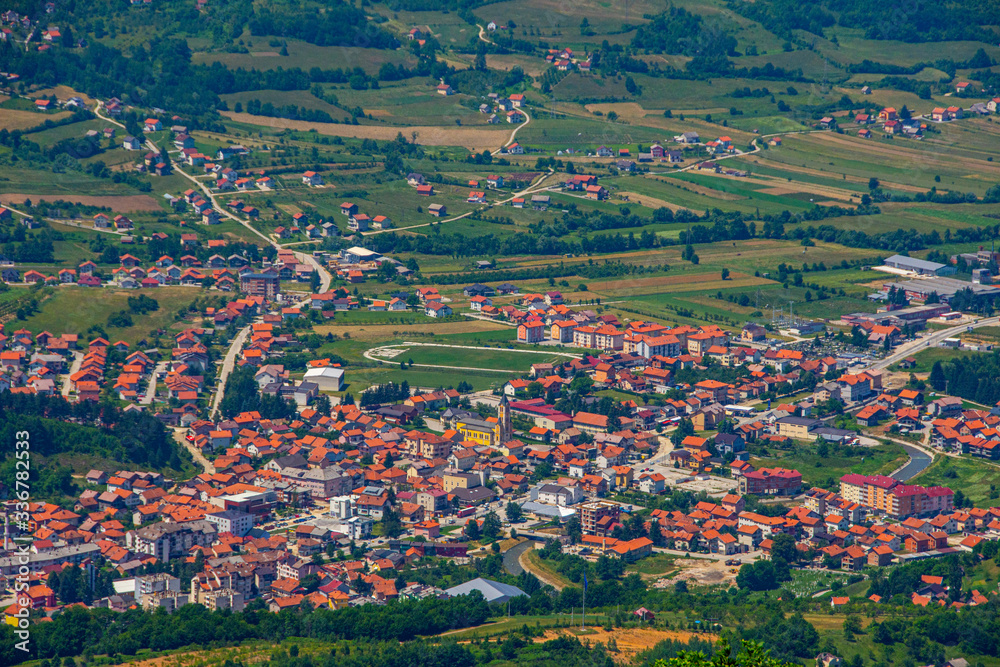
133 438
973 377
956 20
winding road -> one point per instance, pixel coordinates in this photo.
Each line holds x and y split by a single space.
199 458
532 189
239 340
513 134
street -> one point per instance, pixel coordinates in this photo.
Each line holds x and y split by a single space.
227 367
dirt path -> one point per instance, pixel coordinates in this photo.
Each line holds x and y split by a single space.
199 458
513 134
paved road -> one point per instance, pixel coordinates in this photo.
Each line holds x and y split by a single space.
537 187
929 340
66 384
227 367
306 258
151 387
199 458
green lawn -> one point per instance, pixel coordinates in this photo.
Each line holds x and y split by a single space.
502 360
359 379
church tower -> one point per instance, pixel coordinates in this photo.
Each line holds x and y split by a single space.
505 431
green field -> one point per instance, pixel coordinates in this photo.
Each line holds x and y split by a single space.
263 56
977 479
75 309
818 471
657 564
502 360
927 358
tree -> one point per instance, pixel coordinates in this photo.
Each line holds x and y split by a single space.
757 576
574 529
725 274
873 183
609 568
391 525
751 654
859 337
471 530
683 430
514 513
852 626
491 526
937 378
783 546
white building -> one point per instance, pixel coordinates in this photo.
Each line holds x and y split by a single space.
231 521
327 378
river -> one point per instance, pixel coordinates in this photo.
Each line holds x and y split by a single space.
918 463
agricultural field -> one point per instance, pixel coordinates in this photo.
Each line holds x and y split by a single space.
263 56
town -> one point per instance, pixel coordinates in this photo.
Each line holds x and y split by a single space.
490 334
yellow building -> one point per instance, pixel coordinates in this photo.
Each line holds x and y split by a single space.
488 433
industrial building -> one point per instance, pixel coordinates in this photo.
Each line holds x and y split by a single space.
945 288
915 316
919 266
492 591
